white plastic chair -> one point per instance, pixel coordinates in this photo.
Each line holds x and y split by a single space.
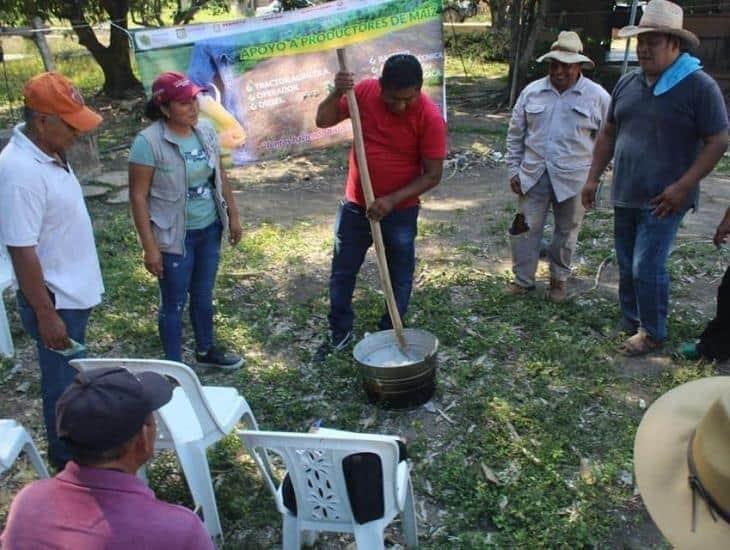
195 418
13 440
6 280
314 464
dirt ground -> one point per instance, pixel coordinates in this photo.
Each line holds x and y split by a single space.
470 206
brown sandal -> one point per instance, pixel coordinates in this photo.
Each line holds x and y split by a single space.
639 344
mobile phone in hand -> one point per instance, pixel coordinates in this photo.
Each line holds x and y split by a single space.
73 349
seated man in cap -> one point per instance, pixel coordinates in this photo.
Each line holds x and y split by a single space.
105 417
549 147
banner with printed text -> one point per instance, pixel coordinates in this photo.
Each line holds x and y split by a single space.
266 75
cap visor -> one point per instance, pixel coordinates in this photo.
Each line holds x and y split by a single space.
83 120
157 389
188 93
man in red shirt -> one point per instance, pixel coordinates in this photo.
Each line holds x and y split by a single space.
405 144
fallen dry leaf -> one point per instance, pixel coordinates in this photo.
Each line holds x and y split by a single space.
512 431
370 420
489 474
428 487
445 416
586 474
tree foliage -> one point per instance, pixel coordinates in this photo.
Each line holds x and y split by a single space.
114 58
155 13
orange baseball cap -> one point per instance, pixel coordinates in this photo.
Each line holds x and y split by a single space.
53 94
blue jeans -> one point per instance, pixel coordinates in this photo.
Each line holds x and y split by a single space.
190 273
56 374
352 240
643 242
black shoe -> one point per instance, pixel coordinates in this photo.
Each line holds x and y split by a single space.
332 344
385 323
219 358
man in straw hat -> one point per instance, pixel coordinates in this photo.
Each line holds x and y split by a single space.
106 418
681 461
549 144
666 130
47 229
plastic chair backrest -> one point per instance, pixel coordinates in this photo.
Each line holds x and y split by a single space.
6 268
6 279
182 374
14 438
314 464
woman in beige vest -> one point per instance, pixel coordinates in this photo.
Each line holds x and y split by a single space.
182 203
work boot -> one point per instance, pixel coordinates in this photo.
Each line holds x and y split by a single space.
513 289
557 292
332 343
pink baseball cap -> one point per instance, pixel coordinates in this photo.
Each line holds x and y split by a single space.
172 86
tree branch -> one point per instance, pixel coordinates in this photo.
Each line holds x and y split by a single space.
73 11
183 17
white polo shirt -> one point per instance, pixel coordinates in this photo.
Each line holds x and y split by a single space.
42 205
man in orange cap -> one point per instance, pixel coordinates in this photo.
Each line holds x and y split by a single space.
47 229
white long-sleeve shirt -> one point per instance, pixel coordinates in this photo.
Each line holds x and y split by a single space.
555 132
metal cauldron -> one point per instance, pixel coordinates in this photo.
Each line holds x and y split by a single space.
393 379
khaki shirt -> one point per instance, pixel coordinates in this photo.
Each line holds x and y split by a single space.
555 132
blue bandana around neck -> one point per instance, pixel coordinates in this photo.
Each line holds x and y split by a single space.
682 67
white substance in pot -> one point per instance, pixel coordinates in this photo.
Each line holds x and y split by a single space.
392 356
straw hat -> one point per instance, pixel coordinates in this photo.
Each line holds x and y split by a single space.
688 428
665 17
567 49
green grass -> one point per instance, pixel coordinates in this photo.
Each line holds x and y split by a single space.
462 66
499 133
723 167
532 387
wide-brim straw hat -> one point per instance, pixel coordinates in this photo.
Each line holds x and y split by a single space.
568 48
698 411
664 17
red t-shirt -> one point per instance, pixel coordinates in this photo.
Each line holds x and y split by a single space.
395 145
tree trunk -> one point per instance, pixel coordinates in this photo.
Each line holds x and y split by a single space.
114 60
498 12
40 40
538 15
119 79
528 20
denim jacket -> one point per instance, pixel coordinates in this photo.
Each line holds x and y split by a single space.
168 191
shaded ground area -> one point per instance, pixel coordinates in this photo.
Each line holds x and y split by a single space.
532 392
